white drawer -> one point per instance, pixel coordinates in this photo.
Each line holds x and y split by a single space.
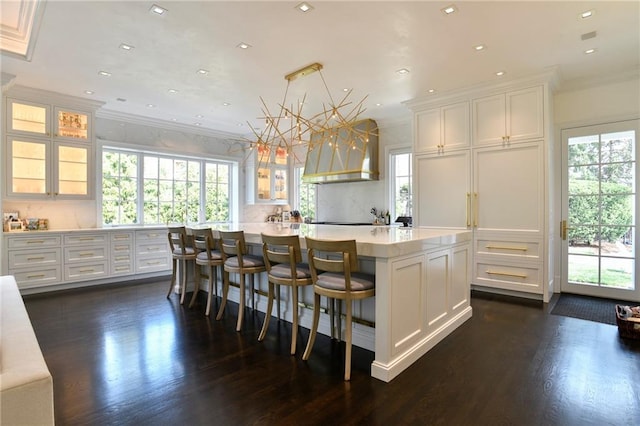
34 258
153 263
34 241
152 249
153 235
84 254
122 268
118 248
84 239
37 277
122 237
88 271
526 277
505 248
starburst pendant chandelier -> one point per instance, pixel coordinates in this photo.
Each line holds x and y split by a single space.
289 127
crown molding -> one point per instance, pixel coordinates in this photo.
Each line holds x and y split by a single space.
45 96
599 80
19 40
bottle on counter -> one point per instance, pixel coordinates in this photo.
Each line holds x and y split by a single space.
387 219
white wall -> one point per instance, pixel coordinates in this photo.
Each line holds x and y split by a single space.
352 201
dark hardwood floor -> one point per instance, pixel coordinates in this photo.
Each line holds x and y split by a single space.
126 355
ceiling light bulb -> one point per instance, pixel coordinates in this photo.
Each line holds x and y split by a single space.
172 91
432 90
199 116
589 51
479 47
198 124
500 73
88 92
226 104
125 46
587 14
403 71
158 10
243 45
304 7
202 71
449 9
104 73
151 106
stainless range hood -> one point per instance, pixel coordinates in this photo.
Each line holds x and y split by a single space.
343 154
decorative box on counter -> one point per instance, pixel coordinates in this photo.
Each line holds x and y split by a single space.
628 325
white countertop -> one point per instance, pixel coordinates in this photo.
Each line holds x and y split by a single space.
374 241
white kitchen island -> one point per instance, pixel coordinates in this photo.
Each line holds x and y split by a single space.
422 286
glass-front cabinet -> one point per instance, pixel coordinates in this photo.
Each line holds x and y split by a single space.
271 174
49 150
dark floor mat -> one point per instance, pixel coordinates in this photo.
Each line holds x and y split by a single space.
588 308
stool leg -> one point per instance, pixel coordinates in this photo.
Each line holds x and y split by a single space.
347 357
314 327
183 279
198 279
294 325
339 317
267 314
241 301
212 277
278 301
225 293
332 312
174 263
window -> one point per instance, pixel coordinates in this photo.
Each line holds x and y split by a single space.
400 182
305 195
172 189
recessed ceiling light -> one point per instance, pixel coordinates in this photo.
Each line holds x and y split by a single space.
590 51
226 104
431 90
158 10
243 45
125 46
104 73
202 71
403 71
239 124
198 124
500 73
174 119
304 7
151 106
378 104
88 92
346 89
199 116
172 91
479 47
587 14
449 9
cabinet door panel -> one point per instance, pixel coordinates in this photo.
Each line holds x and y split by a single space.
525 114
442 184
509 187
28 117
427 130
489 125
455 125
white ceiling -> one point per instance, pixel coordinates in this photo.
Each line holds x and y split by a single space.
360 44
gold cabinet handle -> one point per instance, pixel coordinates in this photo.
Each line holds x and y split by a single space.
35 242
35 276
468 210
506 274
29 259
506 248
86 271
475 210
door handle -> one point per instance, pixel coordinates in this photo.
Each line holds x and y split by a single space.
563 229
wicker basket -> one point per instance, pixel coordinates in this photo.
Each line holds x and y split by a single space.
628 329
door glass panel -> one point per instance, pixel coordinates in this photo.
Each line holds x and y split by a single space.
264 184
73 125
601 209
73 170
29 167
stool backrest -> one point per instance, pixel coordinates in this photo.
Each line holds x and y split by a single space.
204 240
281 249
232 244
179 239
332 256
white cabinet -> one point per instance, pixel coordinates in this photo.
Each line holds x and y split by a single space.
152 251
49 151
44 169
271 175
34 260
442 184
122 253
442 128
509 117
495 187
86 256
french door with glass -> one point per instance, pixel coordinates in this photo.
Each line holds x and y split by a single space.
600 211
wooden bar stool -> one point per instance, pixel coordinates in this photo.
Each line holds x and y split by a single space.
334 271
182 251
237 260
209 256
283 260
